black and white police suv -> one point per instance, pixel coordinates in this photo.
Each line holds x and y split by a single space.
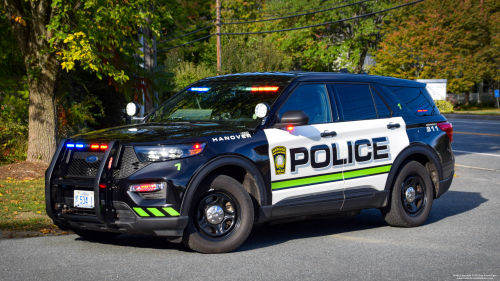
232 151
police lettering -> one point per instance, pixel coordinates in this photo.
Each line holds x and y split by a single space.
374 149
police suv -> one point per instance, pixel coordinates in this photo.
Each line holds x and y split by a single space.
231 151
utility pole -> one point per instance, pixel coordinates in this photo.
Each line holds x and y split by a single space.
219 63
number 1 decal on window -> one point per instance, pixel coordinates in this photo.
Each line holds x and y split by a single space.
178 165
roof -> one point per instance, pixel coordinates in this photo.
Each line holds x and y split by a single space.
304 76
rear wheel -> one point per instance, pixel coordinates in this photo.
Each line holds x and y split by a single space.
221 217
411 197
92 235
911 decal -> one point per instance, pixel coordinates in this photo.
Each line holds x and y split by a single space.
279 156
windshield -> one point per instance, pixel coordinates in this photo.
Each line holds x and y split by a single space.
224 103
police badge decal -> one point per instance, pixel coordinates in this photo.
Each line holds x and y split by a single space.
279 155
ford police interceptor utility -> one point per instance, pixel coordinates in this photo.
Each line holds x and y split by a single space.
236 150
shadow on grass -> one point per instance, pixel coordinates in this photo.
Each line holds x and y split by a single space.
450 204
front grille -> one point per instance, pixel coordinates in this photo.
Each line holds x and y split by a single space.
128 164
79 167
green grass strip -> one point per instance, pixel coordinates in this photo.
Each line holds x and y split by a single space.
156 212
171 211
306 181
367 172
141 212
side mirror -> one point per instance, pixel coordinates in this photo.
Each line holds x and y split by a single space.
133 108
294 118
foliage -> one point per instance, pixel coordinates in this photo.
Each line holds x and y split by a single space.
444 106
188 72
440 39
14 123
102 36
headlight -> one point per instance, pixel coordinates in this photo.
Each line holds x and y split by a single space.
168 152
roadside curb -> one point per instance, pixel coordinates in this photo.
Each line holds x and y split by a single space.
471 116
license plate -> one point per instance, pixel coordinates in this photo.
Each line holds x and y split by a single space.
84 199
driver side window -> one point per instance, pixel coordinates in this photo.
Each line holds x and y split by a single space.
313 100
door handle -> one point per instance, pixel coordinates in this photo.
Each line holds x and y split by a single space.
328 134
390 126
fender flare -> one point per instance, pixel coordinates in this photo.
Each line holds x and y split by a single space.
414 148
213 164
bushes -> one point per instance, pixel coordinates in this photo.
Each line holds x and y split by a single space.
444 106
14 124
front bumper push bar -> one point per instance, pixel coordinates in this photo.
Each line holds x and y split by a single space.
104 213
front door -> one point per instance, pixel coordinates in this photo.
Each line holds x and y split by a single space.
306 162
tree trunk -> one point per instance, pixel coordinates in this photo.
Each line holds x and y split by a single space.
361 62
467 98
42 113
42 67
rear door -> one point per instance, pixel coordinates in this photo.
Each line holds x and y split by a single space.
373 138
304 161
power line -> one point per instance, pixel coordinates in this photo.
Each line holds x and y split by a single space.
188 43
198 30
270 16
172 29
246 7
326 23
297 28
287 17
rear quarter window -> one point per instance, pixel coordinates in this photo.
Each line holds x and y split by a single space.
417 100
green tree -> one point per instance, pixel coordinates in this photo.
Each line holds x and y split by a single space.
98 35
440 39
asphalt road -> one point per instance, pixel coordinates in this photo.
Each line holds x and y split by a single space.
460 240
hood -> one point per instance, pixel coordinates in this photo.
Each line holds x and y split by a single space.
157 132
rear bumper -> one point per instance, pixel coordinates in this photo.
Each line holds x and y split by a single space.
445 184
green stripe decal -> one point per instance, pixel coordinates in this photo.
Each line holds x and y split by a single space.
306 181
367 172
156 212
171 211
141 212
331 177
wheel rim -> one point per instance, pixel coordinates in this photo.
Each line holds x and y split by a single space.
413 195
217 215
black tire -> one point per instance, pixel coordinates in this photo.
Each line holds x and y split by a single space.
405 210
93 235
229 227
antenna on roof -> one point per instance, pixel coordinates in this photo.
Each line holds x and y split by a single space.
344 70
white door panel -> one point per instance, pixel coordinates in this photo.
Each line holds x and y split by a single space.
308 160
374 148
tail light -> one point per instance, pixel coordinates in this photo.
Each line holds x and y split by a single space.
448 128
146 187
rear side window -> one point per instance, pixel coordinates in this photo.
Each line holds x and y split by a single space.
417 99
382 110
356 101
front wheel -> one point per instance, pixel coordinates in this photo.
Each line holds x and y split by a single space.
411 197
221 217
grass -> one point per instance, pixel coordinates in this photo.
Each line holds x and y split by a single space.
480 111
22 211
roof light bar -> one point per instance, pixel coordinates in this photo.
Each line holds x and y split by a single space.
265 89
422 110
70 145
104 146
94 146
79 145
199 89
